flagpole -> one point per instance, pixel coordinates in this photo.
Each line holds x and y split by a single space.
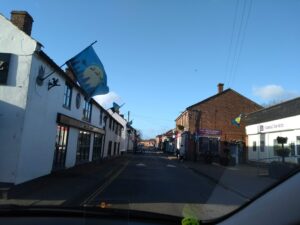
41 79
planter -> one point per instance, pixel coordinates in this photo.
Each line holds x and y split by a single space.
278 170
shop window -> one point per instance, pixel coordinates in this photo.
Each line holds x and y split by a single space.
67 96
97 146
293 149
83 146
60 151
298 145
254 146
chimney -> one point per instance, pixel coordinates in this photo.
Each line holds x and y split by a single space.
220 87
22 20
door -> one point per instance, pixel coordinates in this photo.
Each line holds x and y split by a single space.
60 150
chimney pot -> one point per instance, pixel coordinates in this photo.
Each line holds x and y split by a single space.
220 87
22 20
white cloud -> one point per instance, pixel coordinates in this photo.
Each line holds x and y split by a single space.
107 100
273 92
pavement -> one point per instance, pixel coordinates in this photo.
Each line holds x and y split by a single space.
245 180
66 187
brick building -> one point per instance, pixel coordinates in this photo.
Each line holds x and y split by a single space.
210 120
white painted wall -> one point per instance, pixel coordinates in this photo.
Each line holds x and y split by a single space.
13 95
72 147
28 112
110 135
124 134
286 127
41 113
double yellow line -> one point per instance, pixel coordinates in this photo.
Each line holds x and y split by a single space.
105 185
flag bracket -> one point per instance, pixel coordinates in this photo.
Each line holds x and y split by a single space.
40 78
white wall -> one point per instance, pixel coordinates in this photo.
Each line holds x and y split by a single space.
287 127
13 95
124 134
72 147
110 135
28 112
38 140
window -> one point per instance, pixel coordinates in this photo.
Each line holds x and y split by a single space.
97 146
83 146
110 120
4 67
254 146
101 117
113 127
109 148
293 149
60 151
298 145
67 96
115 148
87 111
117 129
262 142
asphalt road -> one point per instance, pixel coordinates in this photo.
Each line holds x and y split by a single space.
158 183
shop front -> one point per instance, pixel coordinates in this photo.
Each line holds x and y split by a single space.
263 142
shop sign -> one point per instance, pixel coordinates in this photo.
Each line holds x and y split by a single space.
66 120
270 127
208 132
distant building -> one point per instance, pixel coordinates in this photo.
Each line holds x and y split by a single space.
210 121
264 126
148 143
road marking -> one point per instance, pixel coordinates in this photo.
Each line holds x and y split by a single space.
102 187
170 165
140 164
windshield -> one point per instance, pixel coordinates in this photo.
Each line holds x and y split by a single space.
185 108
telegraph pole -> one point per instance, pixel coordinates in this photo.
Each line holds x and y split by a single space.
128 117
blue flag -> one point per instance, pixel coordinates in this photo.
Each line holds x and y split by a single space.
89 72
237 121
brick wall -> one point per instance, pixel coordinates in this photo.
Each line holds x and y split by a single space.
217 113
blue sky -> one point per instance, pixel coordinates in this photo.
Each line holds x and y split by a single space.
162 56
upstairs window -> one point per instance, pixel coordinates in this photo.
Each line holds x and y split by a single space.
67 96
87 111
101 117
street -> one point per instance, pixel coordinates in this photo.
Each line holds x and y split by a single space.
149 181
158 183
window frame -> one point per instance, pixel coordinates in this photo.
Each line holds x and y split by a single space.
87 111
68 92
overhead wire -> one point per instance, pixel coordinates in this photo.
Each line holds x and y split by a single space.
231 40
237 43
242 41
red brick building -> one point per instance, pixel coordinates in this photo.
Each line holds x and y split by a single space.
211 118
